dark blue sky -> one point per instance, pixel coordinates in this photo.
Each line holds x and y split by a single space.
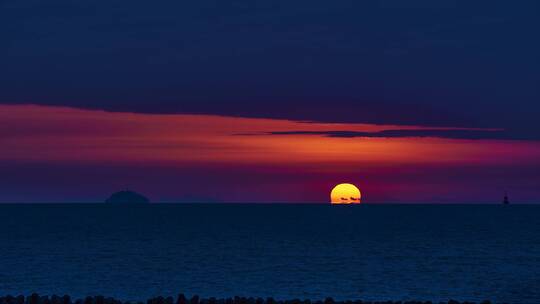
455 63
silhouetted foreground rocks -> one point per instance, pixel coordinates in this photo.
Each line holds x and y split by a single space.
181 299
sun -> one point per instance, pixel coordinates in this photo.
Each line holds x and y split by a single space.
345 194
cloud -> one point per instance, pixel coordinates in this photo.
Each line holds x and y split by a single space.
475 134
330 63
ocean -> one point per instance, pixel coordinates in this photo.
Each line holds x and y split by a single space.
368 252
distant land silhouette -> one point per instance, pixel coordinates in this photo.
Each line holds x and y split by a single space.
127 197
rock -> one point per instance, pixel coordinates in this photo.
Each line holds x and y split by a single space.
99 299
181 299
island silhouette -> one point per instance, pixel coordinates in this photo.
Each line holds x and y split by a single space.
127 197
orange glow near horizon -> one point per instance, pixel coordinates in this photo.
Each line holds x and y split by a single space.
60 134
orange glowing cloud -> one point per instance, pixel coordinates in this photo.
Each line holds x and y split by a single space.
46 133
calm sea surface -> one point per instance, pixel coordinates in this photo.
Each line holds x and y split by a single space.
370 252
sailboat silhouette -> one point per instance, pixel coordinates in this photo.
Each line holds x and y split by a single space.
505 200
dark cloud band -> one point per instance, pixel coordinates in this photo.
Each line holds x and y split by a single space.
452 134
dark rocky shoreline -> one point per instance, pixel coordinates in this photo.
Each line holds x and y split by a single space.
181 299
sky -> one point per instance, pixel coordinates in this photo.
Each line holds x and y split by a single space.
269 101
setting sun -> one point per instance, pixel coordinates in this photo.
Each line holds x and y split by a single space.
345 194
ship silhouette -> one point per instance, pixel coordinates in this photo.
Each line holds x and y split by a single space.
505 200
